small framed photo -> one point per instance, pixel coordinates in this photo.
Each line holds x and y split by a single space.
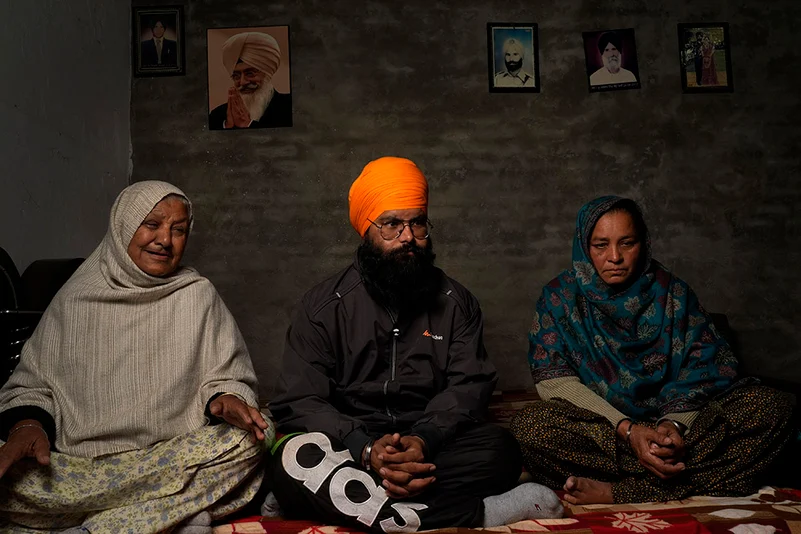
705 57
514 65
611 60
158 41
249 78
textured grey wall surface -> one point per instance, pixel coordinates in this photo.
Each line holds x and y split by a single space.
65 120
716 174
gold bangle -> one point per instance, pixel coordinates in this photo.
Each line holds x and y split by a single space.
29 425
237 395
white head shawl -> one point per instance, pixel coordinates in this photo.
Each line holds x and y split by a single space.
121 359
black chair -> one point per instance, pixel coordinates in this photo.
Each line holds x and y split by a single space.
23 300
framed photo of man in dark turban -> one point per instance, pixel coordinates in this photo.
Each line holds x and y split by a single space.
158 41
611 57
249 78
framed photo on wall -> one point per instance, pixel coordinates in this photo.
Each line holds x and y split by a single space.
611 57
249 78
158 41
705 57
513 57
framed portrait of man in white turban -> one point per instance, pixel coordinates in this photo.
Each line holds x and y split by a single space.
249 78
158 41
513 60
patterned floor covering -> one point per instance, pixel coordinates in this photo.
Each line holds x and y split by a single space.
771 511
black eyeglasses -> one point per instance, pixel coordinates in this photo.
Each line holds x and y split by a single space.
392 229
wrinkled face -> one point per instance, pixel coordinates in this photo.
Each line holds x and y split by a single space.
247 79
158 30
615 248
611 57
396 218
158 244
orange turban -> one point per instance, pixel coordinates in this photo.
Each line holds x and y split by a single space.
386 184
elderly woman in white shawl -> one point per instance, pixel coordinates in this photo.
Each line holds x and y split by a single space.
123 412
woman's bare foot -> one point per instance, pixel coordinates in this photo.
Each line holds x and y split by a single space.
580 490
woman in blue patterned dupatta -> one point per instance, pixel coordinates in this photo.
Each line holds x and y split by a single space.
641 401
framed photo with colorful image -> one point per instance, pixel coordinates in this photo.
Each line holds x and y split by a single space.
249 78
513 57
158 41
611 57
705 57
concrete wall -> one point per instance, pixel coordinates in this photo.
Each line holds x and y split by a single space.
64 116
717 174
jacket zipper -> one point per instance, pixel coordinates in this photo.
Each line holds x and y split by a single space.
394 359
395 335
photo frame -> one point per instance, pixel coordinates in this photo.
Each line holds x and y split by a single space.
158 41
249 77
513 57
705 57
611 58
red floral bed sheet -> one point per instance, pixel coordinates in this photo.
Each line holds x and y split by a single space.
771 511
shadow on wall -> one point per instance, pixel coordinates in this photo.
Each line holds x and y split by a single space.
770 353
781 368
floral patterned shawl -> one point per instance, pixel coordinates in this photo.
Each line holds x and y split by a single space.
649 349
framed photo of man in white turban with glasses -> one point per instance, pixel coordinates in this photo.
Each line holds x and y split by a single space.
249 78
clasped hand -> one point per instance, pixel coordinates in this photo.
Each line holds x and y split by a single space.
400 462
237 114
661 451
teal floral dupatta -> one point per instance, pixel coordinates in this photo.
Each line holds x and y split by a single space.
649 349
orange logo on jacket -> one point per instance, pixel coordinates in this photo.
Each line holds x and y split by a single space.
432 336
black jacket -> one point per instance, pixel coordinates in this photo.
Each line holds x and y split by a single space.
353 370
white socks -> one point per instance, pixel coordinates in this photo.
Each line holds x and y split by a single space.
526 501
270 506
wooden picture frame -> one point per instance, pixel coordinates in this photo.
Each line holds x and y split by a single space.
611 58
513 57
158 41
705 57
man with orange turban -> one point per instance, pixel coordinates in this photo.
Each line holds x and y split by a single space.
251 59
385 381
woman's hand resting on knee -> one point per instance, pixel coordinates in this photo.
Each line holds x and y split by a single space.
235 411
26 439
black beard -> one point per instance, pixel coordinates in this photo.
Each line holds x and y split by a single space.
512 66
397 280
